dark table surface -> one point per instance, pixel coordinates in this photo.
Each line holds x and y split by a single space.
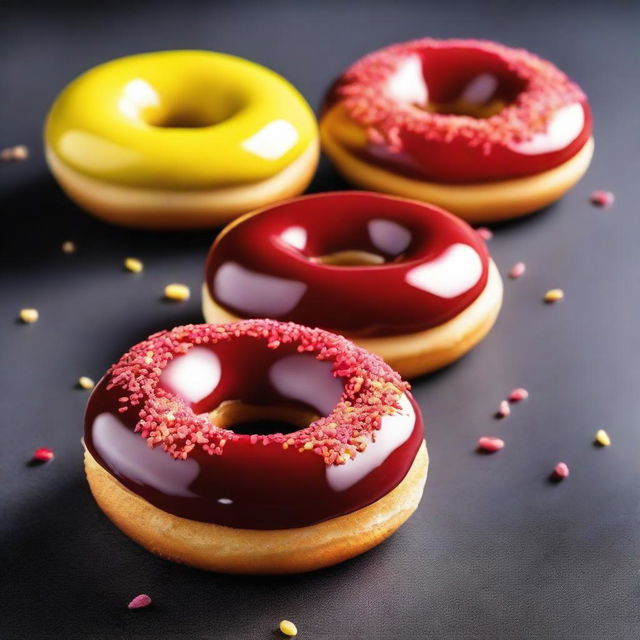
495 549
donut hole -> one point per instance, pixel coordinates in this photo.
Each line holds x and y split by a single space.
189 116
249 419
457 81
350 258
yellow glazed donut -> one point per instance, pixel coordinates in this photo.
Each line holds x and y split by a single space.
180 139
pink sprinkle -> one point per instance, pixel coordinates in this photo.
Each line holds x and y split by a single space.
139 602
602 198
42 454
517 270
485 233
561 471
503 409
490 444
519 394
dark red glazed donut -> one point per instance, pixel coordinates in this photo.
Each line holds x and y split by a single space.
269 264
449 112
417 268
147 424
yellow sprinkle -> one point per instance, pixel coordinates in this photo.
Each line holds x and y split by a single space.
134 265
308 446
86 383
553 295
288 628
602 438
177 292
68 247
28 316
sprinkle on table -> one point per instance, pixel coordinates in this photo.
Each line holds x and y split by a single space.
133 265
518 395
602 198
17 153
288 628
42 454
68 247
85 383
485 233
139 602
29 316
561 471
517 270
503 409
553 295
602 438
490 444
177 291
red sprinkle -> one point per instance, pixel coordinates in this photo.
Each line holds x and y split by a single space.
490 444
485 233
503 409
561 471
42 454
139 602
602 198
517 270
519 394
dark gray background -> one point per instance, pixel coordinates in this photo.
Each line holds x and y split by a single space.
495 550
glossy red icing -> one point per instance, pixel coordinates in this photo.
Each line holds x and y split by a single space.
434 266
251 480
546 119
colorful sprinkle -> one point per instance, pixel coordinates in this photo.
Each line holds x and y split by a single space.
177 291
68 247
602 438
490 444
553 295
517 270
288 628
86 383
14 154
602 198
485 233
29 316
518 395
134 265
139 602
503 409
42 454
561 471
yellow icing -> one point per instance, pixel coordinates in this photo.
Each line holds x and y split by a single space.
180 120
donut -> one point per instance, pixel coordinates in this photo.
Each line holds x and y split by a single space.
180 139
254 447
403 279
483 130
